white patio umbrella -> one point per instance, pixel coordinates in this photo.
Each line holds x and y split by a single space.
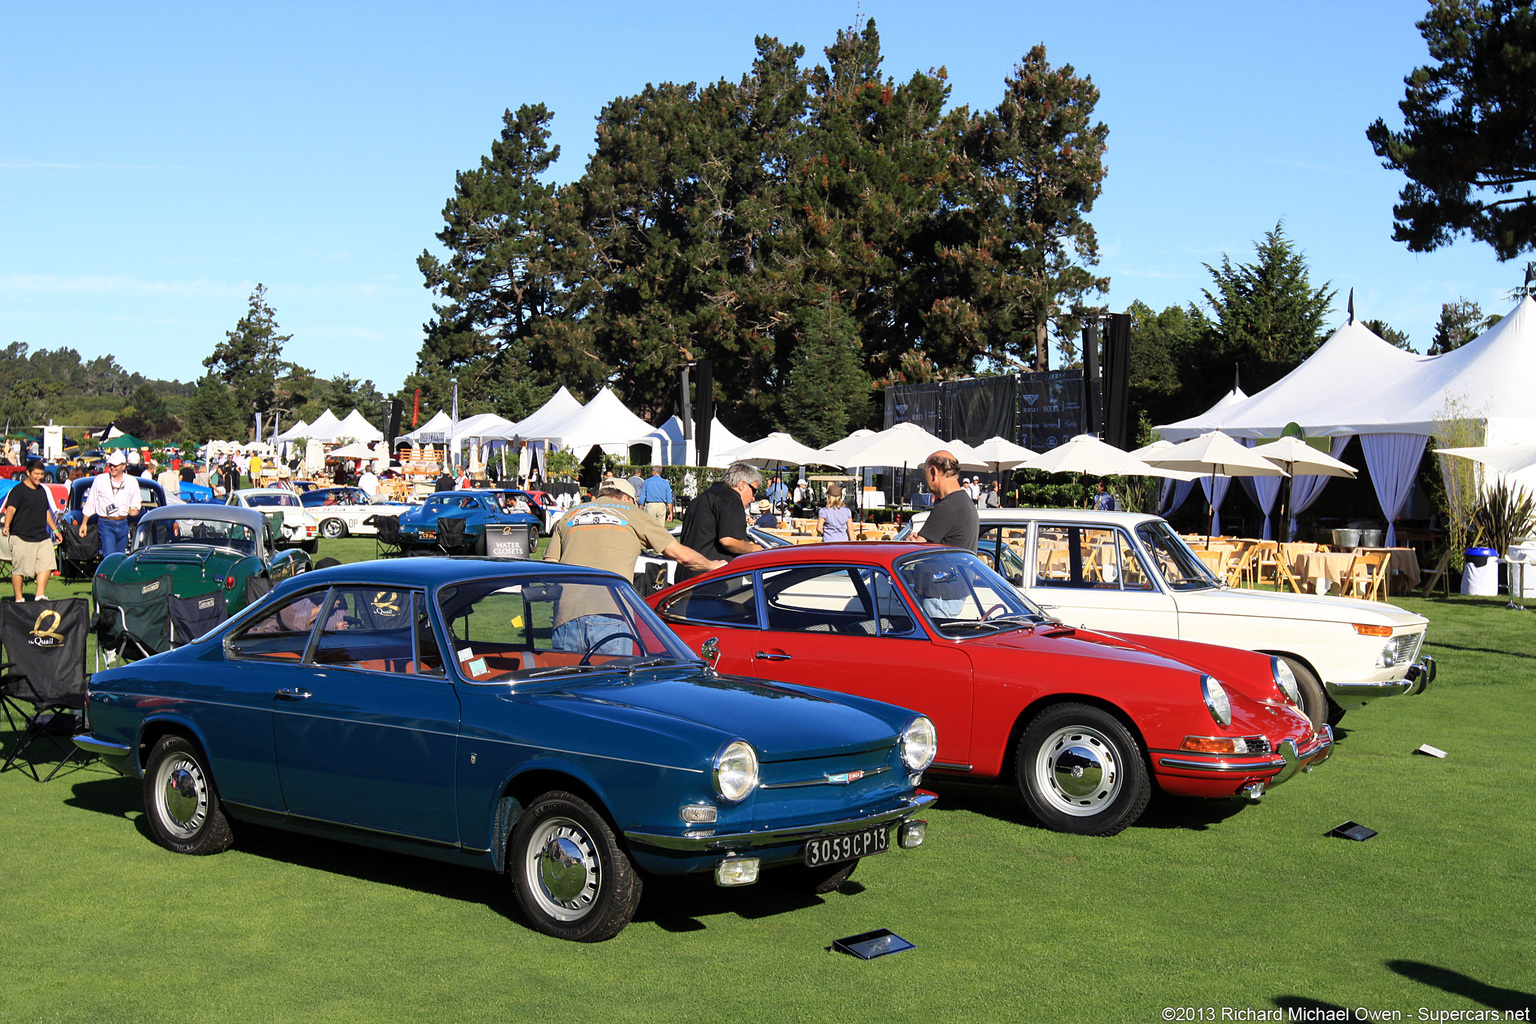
968 457
1506 458
1161 446
779 449
832 454
1087 454
904 445
355 450
1218 455
1000 453
1295 456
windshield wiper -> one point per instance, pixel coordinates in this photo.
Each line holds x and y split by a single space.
559 670
655 659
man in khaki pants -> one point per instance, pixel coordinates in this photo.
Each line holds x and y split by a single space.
30 527
656 496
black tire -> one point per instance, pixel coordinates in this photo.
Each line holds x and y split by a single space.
1314 699
819 880
571 878
1081 771
181 801
333 529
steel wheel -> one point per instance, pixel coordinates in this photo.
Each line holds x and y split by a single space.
181 801
1080 770
572 879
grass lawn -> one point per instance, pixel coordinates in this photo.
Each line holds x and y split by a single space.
1202 905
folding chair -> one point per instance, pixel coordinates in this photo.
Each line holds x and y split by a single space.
1440 576
387 540
191 617
1367 574
450 534
45 646
78 555
256 588
133 619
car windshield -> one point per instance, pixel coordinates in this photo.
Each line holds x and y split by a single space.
961 596
1180 567
216 532
508 629
273 499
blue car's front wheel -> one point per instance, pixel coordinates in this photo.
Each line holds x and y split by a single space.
180 800
571 877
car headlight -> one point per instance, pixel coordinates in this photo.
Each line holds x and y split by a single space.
1286 679
919 744
736 774
1216 700
1387 657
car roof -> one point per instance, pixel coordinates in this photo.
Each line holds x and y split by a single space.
220 513
431 571
1070 515
838 552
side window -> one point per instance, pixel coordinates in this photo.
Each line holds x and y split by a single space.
818 599
1133 576
1053 557
1082 557
282 633
366 628
896 618
725 601
1004 549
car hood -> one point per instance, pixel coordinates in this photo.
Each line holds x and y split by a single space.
783 723
180 559
1309 607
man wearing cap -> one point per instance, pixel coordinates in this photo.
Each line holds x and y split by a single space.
112 499
609 532
656 496
29 525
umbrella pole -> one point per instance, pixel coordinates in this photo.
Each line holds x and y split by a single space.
1210 512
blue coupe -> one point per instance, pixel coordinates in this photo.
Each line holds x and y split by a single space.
455 709
470 522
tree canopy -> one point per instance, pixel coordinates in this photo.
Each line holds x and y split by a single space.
1466 145
825 223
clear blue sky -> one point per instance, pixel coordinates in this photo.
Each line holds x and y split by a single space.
159 160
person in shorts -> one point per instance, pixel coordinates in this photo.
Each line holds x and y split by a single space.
29 525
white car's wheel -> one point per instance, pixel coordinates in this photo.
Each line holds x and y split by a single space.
332 529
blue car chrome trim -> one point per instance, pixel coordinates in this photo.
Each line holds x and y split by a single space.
829 779
708 840
101 748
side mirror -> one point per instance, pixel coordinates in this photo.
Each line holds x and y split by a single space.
711 651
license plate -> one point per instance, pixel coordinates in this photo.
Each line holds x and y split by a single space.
848 846
427 534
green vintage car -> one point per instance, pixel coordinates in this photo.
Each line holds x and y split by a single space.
204 549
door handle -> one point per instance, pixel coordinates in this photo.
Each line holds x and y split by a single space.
773 656
293 693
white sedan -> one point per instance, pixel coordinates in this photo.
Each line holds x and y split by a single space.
1127 572
299 528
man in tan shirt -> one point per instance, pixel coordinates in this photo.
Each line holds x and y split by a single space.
609 533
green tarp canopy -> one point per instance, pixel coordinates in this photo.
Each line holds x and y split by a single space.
123 441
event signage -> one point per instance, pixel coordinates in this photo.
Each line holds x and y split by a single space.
432 437
1051 410
506 541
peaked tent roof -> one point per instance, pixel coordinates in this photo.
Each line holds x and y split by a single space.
293 432
438 424
603 422
562 405
353 425
481 424
1356 383
676 451
323 428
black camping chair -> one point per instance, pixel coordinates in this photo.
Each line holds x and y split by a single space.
387 541
45 668
78 555
450 534
256 588
133 619
191 617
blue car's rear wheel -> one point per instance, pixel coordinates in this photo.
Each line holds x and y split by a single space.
181 801
571 877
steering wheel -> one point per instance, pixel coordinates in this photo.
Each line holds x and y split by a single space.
999 607
587 657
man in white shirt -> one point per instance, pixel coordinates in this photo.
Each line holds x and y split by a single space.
112 499
368 481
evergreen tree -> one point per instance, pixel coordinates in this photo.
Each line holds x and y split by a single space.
1467 144
213 413
1459 323
250 360
1386 332
1268 316
828 392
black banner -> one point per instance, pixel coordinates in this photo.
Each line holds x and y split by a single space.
914 403
974 410
1051 410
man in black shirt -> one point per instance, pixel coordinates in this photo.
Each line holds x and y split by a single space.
30 527
715 524
953 520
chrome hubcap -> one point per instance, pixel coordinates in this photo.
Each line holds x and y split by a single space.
183 797
1080 768
564 869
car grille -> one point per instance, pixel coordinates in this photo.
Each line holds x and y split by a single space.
1406 648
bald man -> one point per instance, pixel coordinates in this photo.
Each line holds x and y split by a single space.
953 519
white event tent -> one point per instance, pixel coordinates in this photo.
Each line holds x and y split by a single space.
1356 384
438 427
354 426
675 450
602 423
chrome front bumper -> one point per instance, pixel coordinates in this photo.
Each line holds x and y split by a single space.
1288 759
711 841
1420 674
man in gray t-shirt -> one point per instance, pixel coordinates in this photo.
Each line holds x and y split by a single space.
953 520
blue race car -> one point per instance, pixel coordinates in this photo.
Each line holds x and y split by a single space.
491 524
446 708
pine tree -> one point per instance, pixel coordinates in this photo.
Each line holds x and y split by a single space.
250 361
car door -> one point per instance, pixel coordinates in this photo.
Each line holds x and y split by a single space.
846 628
366 724
1092 575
